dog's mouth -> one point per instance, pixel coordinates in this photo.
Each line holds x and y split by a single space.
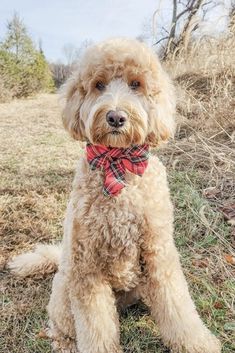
115 132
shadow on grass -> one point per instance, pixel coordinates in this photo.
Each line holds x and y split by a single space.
139 333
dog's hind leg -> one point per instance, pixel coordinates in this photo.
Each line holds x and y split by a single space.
165 291
61 322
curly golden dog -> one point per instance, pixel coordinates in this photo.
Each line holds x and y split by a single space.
118 233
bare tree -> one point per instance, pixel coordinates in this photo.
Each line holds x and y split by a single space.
72 53
86 43
185 21
60 72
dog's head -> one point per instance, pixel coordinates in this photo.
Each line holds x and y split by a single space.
119 96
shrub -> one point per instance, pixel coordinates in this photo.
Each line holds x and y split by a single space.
23 69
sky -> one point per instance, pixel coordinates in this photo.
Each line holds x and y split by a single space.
60 22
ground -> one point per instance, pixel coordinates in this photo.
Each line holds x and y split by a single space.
37 167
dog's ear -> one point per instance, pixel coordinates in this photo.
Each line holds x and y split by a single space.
72 95
162 106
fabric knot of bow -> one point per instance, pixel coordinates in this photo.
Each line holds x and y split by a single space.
115 161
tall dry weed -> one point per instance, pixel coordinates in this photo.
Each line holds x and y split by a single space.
205 83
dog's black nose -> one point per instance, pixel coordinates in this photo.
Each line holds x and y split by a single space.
115 119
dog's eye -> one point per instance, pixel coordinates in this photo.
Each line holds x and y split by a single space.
100 86
134 84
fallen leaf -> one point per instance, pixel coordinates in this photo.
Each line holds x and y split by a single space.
229 212
229 259
218 305
200 263
42 334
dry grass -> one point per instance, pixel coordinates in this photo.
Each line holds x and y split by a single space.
37 166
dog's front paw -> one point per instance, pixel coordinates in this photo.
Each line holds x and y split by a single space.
59 342
196 343
208 345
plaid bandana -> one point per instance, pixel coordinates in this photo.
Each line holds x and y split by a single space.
115 161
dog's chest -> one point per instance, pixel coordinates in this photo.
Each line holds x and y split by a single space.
117 243
114 227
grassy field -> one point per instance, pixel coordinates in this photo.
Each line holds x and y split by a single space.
37 167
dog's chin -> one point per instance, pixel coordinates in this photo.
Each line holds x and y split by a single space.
117 138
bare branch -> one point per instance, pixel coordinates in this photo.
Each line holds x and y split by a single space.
182 13
173 27
161 40
165 30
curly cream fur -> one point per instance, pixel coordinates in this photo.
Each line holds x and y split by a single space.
119 245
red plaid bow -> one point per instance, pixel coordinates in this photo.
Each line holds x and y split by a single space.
114 161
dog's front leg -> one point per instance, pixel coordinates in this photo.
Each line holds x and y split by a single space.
95 314
166 292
